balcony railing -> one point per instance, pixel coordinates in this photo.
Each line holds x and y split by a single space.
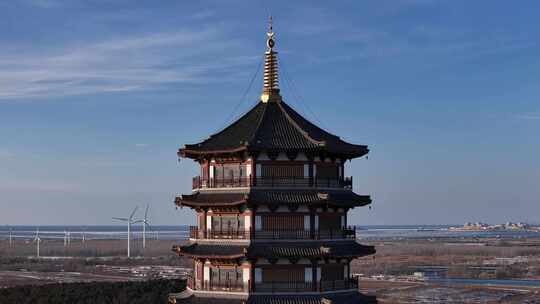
271 181
196 233
212 285
301 286
274 286
351 283
273 234
284 286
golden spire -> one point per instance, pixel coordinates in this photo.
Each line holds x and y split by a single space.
271 83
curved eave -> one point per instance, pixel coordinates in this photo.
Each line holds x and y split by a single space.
180 202
191 151
258 197
193 252
366 200
313 197
358 151
318 204
314 251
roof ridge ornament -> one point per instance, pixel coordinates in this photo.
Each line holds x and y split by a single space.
270 42
271 81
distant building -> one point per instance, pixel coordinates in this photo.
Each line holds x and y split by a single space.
272 201
483 226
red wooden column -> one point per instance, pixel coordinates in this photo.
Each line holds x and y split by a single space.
204 225
310 167
252 277
253 172
314 274
312 223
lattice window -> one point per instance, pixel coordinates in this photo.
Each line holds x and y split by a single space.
327 171
283 171
230 171
227 222
329 221
283 222
289 274
332 272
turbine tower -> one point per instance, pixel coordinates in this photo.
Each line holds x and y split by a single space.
10 236
84 235
145 223
37 239
129 222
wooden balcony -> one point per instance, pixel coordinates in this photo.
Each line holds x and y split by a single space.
351 283
302 286
274 234
212 285
283 286
272 182
235 234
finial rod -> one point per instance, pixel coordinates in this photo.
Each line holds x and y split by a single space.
270 42
271 82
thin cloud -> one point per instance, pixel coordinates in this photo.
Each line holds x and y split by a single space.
203 15
124 64
6 154
39 186
529 116
42 3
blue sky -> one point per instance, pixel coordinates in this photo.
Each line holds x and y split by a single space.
97 96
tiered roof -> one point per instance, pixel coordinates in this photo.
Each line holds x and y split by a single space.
345 249
340 298
315 197
274 127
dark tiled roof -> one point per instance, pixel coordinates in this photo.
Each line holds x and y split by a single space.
338 298
193 299
340 198
350 249
211 250
213 300
342 298
331 249
343 198
273 126
210 199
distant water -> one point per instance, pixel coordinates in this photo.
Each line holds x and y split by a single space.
491 282
94 232
181 232
434 231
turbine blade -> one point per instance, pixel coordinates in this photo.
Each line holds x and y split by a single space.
149 227
133 213
120 219
146 212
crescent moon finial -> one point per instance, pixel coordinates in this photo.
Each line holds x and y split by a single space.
270 42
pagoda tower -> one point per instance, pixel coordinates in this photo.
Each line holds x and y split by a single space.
271 202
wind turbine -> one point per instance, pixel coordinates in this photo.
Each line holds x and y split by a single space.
10 236
84 235
37 239
129 222
145 223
